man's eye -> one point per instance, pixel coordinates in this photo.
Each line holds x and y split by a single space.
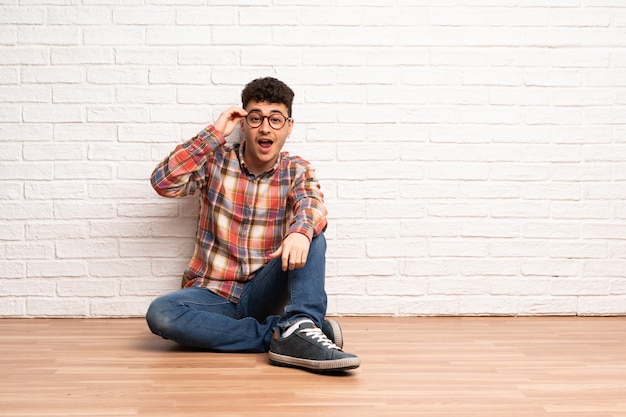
276 119
254 119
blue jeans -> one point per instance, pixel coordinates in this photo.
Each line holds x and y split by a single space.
274 298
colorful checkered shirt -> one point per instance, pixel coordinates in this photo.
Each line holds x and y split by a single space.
243 218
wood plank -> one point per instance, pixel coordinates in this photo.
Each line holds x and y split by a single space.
426 366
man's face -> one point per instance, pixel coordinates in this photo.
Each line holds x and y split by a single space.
263 143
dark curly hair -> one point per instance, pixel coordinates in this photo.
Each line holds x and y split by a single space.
268 89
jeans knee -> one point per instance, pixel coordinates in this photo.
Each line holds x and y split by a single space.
158 319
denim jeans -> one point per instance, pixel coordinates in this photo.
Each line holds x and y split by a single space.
274 298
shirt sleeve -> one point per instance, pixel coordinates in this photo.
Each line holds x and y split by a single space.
183 171
309 211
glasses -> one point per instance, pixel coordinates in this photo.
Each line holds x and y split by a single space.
276 120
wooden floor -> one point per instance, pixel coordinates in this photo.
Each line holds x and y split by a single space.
422 366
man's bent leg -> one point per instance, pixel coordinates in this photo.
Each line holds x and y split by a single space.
308 346
198 318
307 294
293 295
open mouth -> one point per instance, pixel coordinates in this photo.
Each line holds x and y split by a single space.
265 144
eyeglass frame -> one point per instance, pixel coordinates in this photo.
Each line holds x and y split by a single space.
287 119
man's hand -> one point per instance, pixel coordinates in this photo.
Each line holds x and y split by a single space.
228 120
293 251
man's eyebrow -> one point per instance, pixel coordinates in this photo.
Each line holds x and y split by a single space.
259 111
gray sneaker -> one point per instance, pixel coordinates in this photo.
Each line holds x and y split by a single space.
332 330
309 348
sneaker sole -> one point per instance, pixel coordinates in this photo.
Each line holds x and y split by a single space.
329 365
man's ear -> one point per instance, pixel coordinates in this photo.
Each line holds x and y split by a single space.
290 127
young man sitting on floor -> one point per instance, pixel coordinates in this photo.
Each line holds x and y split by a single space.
256 279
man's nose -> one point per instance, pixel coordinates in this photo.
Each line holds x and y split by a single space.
265 124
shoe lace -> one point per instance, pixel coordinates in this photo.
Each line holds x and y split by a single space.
317 335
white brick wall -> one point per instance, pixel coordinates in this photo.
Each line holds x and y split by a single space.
472 152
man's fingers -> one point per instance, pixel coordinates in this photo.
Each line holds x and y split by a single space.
285 258
293 252
227 121
294 259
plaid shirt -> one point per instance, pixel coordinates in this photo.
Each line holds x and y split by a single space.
243 218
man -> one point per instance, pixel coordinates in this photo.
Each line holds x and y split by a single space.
256 279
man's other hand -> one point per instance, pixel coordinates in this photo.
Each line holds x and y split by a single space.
293 251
